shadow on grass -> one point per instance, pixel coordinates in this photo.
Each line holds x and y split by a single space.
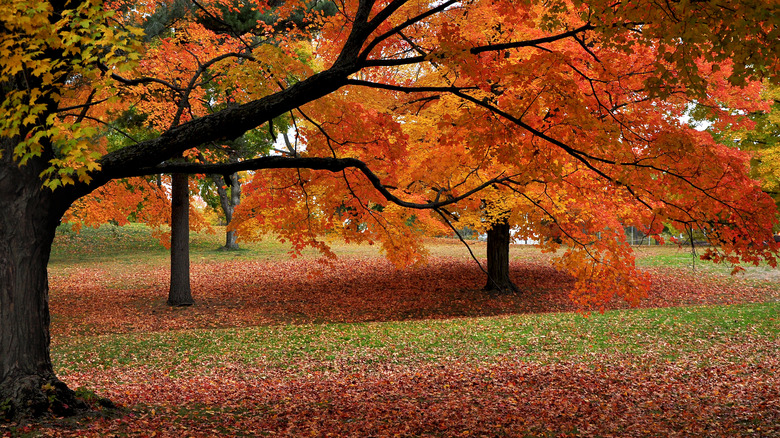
240 293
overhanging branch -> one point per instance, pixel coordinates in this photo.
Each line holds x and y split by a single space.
313 163
406 89
532 43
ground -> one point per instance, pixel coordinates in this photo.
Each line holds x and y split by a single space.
296 348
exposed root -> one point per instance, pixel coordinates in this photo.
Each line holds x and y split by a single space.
38 397
505 288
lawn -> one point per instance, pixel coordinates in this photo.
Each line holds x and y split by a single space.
280 347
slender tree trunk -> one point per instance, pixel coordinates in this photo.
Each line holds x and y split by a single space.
498 279
228 202
231 240
29 216
235 199
180 293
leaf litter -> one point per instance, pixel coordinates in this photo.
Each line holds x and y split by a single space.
729 387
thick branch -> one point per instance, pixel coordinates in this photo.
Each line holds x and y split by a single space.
405 89
534 42
227 124
314 163
393 62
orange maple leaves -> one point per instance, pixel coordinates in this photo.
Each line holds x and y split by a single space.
586 135
572 109
134 199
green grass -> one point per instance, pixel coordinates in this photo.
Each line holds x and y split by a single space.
134 243
542 338
671 331
669 257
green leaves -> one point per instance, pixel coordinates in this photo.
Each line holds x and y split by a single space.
47 59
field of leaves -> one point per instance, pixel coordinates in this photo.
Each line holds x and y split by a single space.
283 347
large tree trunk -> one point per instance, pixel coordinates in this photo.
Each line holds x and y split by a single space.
29 215
498 280
180 293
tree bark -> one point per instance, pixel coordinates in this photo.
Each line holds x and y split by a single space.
498 280
228 202
28 222
180 293
235 199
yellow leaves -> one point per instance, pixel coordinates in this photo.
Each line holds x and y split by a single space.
22 17
75 157
287 64
58 55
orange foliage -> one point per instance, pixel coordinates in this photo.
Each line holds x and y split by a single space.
585 138
569 113
134 199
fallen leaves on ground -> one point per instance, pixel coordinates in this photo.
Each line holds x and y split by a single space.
730 389
97 300
609 396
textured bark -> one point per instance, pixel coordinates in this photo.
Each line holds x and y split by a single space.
235 199
498 259
231 240
229 202
28 223
180 293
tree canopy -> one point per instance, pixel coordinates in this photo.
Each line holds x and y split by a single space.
562 117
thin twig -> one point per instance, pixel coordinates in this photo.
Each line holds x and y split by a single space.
457 233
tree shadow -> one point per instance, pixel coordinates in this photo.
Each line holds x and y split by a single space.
304 291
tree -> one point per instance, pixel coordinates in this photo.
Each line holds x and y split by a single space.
180 42
554 194
760 134
564 107
229 196
228 187
498 239
147 201
179 293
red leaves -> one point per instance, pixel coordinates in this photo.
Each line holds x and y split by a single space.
727 389
112 299
610 397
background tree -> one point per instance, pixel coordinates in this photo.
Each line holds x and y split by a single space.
228 196
498 240
180 60
759 133
590 92
223 192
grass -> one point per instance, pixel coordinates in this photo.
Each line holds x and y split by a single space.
668 257
542 338
134 243
671 256
655 348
